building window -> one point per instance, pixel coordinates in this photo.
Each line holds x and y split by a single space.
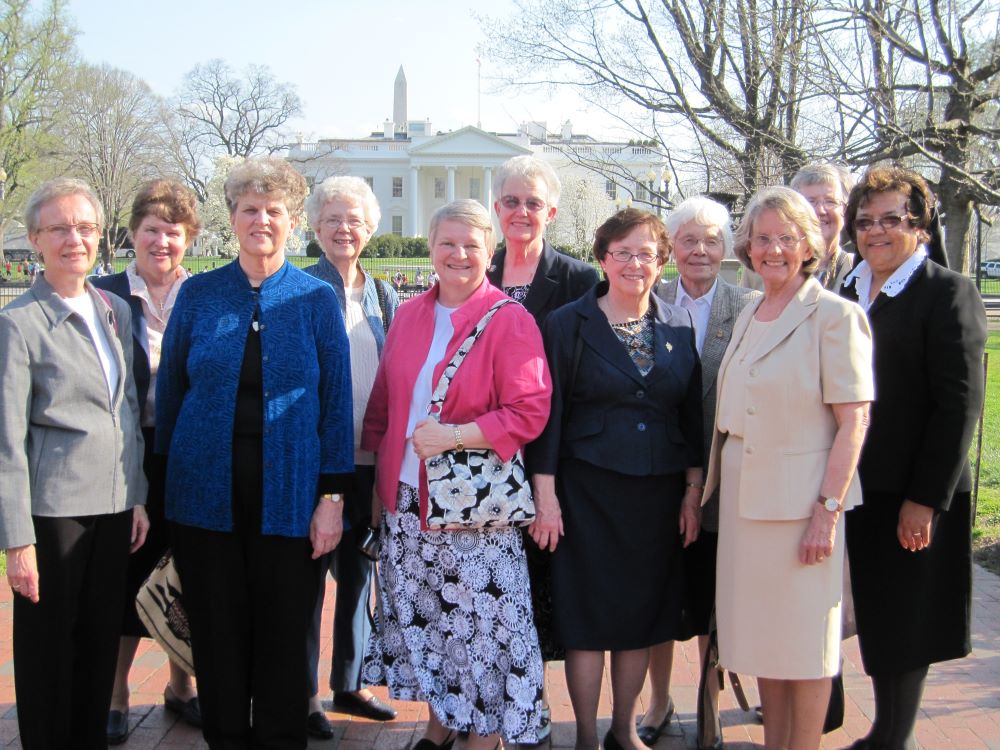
370 181
397 187
611 189
397 225
474 183
310 235
439 187
641 193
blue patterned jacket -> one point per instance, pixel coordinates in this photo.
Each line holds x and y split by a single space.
308 426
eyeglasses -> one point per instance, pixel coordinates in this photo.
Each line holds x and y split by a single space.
830 204
334 222
511 203
785 241
709 243
63 231
886 222
624 256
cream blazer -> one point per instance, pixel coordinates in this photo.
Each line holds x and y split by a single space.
818 352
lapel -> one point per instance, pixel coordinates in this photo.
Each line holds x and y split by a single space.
799 307
671 342
597 334
118 284
545 283
716 341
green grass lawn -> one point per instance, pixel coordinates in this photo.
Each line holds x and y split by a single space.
986 535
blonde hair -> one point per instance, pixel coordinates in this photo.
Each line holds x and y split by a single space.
791 206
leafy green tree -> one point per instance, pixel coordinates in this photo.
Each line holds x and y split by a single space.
36 48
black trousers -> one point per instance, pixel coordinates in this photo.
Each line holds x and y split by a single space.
66 645
249 600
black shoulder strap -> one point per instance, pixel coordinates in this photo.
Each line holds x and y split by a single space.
382 303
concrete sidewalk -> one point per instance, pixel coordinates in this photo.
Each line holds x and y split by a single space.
961 707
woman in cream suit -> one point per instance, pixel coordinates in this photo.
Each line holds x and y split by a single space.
794 388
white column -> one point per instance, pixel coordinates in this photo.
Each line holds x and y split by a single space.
414 201
488 188
451 184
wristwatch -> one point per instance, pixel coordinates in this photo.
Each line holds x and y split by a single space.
332 497
831 504
459 445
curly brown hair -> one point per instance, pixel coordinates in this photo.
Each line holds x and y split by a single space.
170 201
892 178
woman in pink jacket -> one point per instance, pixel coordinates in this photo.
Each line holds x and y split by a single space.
455 622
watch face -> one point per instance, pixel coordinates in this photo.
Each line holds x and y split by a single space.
831 504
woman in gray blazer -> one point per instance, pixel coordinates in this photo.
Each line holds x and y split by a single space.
71 483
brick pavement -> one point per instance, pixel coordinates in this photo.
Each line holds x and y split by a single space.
961 708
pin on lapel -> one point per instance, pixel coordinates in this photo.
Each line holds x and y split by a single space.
669 346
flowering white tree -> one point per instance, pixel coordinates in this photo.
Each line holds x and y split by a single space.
583 206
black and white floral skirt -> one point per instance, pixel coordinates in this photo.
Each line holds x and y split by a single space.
454 625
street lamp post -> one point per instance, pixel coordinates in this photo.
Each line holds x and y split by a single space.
3 220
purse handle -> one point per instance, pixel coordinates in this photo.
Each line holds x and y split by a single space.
437 398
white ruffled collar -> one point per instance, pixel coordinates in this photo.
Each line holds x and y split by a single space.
862 277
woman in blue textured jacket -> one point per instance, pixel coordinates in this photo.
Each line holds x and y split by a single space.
254 414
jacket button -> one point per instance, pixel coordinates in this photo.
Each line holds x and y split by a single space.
641 427
749 449
751 410
753 372
435 408
640 394
264 358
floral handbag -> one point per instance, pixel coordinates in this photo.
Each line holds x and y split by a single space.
473 488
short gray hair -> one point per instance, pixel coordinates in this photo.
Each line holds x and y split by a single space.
791 206
60 187
824 173
469 212
528 168
707 213
352 189
266 175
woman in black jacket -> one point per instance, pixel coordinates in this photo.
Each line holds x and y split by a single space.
910 543
621 457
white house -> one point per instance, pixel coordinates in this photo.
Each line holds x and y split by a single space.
414 170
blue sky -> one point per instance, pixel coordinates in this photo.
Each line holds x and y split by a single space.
341 56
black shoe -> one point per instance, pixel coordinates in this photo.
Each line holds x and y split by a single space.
372 708
189 711
426 744
716 745
649 735
117 727
318 726
611 742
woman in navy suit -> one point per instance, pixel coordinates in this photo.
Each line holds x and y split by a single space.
530 271
621 457
164 224
910 544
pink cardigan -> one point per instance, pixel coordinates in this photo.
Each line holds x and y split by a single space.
503 385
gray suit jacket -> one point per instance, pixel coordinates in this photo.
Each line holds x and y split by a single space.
729 300
65 449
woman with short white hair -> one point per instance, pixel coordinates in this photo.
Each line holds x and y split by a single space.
344 214
702 236
530 271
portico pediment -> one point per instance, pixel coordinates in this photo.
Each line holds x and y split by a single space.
467 145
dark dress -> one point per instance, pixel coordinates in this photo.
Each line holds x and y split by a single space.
141 562
558 279
619 442
914 609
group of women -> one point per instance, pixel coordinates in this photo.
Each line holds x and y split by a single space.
693 447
